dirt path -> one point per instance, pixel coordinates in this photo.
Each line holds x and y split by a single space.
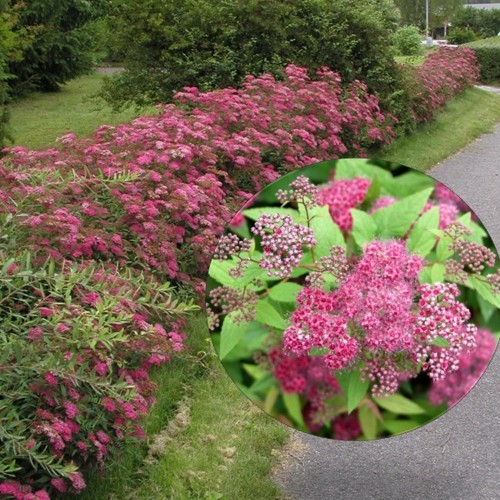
457 455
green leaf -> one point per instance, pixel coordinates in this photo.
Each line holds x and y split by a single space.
399 426
421 241
487 308
442 251
285 292
352 386
398 404
326 231
356 390
364 227
360 167
440 342
294 407
231 333
267 314
368 422
437 272
373 191
255 371
409 183
396 219
219 271
484 290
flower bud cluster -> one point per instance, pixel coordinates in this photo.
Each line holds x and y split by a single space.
230 244
282 243
441 315
334 264
471 366
302 190
473 255
227 300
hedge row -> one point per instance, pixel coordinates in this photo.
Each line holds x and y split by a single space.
488 56
91 232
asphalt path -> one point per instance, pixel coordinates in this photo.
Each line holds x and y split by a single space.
455 457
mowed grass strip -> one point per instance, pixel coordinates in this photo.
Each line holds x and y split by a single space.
464 119
38 119
205 438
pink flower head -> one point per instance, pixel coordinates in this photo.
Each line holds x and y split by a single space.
341 196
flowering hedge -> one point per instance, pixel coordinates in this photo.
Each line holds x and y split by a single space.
444 73
92 230
151 194
355 303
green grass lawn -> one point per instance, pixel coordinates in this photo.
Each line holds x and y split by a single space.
205 439
38 119
464 119
413 60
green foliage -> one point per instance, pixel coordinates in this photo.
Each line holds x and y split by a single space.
55 42
440 11
212 44
484 22
7 41
488 56
407 41
459 35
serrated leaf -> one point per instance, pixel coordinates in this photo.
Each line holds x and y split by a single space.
368 422
420 240
442 250
267 314
285 292
231 333
294 407
219 271
484 289
396 219
398 404
364 227
409 183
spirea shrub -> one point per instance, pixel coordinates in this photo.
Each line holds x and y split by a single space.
77 343
444 73
155 194
355 300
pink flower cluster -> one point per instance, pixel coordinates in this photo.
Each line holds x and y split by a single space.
381 317
143 193
471 366
341 196
444 73
310 377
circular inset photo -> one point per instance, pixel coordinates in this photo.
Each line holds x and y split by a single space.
355 299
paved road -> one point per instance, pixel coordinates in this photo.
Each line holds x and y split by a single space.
458 455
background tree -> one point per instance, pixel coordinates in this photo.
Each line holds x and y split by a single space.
7 40
440 11
55 41
169 44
